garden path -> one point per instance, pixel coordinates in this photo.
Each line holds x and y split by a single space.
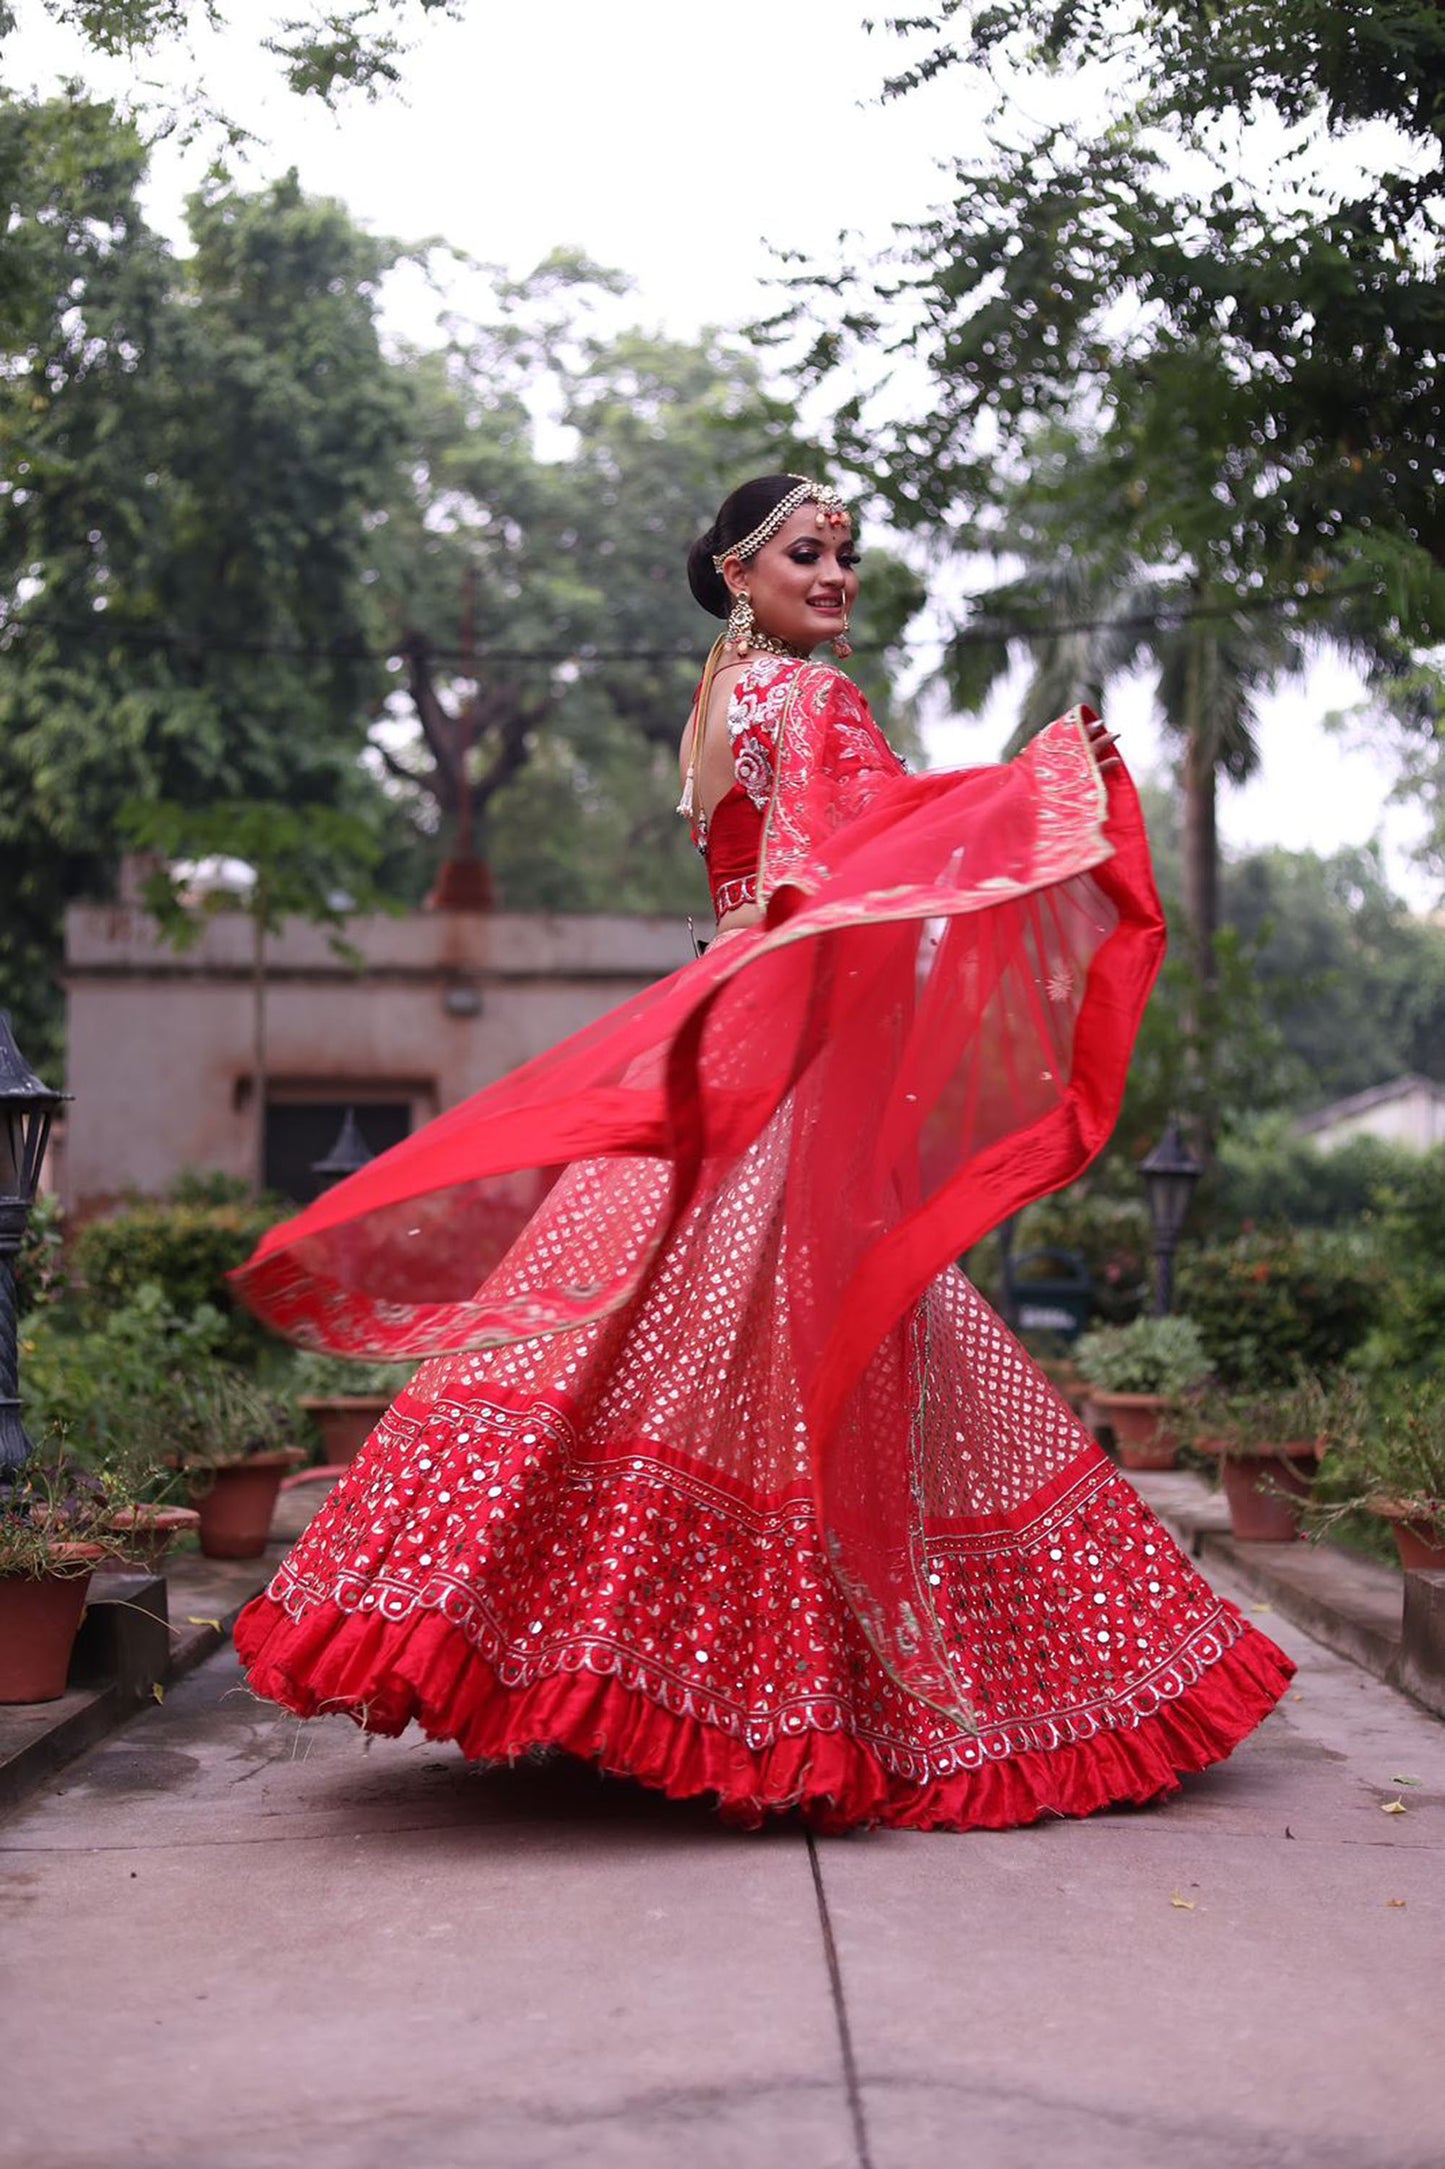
236 1942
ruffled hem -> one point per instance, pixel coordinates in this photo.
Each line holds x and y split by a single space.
387 1675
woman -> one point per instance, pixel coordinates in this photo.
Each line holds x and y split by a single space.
718 1471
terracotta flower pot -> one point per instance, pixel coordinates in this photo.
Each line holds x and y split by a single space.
40 1616
145 1533
1419 1536
235 1501
1140 1422
1265 1488
345 1421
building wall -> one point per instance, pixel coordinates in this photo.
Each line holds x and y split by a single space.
1415 1120
160 1042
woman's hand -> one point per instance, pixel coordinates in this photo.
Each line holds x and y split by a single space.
1105 746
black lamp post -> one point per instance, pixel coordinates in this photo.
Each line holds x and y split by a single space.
1170 1172
27 1109
350 1152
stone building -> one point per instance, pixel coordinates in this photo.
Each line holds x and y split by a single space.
161 1042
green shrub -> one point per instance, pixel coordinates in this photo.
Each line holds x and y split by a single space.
1391 1446
1269 1305
1309 1410
1151 1355
1410 1334
222 1415
42 1275
184 1250
104 1387
327 1376
1110 1234
1269 1176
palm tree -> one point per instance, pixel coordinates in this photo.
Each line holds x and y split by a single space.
1084 624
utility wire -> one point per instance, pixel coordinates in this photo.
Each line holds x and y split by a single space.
989 632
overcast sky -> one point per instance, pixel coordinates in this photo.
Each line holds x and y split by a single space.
682 145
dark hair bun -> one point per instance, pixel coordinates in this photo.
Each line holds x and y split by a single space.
706 582
741 513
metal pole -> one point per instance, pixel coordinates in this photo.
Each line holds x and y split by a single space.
15 1445
1163 1280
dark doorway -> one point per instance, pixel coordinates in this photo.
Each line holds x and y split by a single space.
301 1132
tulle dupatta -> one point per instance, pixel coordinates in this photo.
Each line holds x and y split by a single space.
937 1016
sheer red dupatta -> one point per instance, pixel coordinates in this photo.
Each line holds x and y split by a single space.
937 1016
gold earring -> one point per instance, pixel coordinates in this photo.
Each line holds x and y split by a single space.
740 624
842 645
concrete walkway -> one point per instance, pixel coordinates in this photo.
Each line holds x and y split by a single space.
233 1942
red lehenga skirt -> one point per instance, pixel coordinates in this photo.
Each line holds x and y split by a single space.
722 1478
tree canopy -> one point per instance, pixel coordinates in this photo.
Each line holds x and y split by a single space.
190 450
320 47
1223 274
252 553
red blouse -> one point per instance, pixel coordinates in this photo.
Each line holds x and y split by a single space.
730 840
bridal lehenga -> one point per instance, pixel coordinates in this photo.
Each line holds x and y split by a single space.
716 1470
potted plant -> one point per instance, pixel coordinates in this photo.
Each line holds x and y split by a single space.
234 1441
1388 1459
1269 1445
1139 1377
50 1544
140 1535
345 1400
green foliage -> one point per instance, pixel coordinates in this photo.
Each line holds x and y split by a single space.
1150 1355
1268 1175
324 50
1305 1411
1355 985
58 1512
144 1385
321 607
588 641
42 1275
1111 1235
330 1376
183 1253
1206 1054
218 1415
1389 1444
195 444
1270 1304
102 1385
313 863
1258 365
1410 1333
209 1186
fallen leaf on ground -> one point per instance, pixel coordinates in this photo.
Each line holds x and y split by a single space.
1261 1607
191 1621
1398 1903
1407 1781
1185 1905
159 1692
1393 1807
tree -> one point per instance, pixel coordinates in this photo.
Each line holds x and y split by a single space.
191 451
322 48
1272 343
551 645
1246 371
1356 986
1083 612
